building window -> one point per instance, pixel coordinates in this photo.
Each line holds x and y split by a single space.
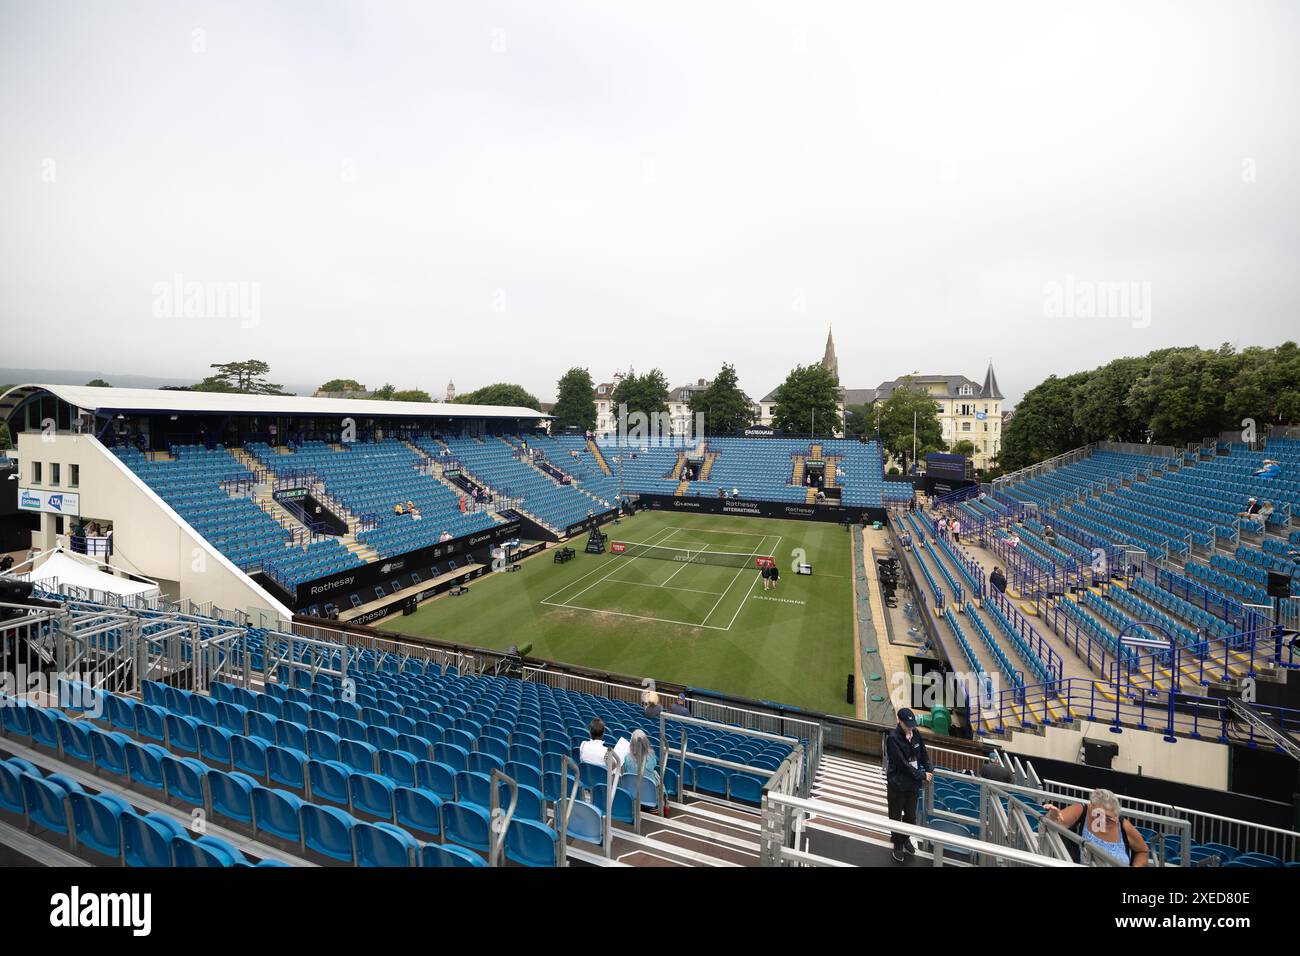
74 476
54 472
965 426
36 472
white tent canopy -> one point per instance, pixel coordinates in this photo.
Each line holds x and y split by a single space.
61 569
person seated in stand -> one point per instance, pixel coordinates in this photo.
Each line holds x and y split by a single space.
445 536
678 707
641 754
652 708
1252 509
398 509
1269 469
1265 512
593 750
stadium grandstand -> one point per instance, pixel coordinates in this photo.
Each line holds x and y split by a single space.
209 603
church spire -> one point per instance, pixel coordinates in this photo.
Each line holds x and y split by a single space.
829 361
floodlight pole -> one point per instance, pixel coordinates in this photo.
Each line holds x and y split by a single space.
914 442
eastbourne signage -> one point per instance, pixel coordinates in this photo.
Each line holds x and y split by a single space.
758 431
49 502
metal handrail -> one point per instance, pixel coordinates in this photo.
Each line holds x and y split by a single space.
499 821
938 838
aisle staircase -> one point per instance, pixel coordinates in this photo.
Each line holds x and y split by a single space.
681 488
600 459
709 458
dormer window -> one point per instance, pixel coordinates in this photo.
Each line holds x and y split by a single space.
966 390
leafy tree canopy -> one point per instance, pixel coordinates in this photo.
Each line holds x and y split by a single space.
807 402
247 377
723 404
503 393
574 405
907 405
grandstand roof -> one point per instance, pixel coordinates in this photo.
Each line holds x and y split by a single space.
149 400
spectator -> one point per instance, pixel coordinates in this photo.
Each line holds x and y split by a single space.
1049 535
773 574
398 509
1102 828
998 580
907 767
1252 509
678 707
955 528
6 563
995 771
641 754
1013 541
735 492
1265 512
445 536
652 708
1270 469
593 750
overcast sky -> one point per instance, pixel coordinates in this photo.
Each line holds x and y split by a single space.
497 191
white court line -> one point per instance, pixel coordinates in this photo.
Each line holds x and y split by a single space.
595 570
748 534
733 581
642 584
775 552
679 570
639 617
616 566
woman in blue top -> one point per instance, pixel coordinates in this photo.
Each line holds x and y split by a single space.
640 754
1102 829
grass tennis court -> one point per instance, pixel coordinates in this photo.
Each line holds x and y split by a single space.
695 614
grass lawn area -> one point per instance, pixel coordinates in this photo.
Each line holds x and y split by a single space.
704 622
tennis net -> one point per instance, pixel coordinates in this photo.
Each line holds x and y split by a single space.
702 555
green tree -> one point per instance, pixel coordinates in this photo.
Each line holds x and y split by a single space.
248 377
342 385
1266 387
6 442
385 392
723 404
964 447
410 395
647 394
807 402
98 383
1104 410
1182 396
909 407
575 404
859 420
502 393
1044 424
